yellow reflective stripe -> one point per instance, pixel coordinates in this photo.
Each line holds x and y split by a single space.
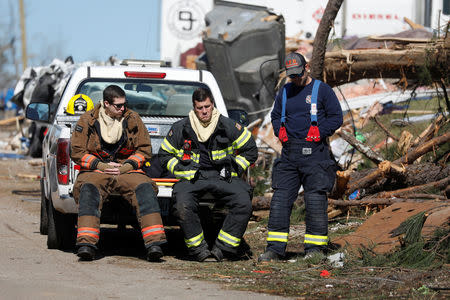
240 160
240 141
195 157
228 239
218 154
168 147
195 241
316 239
171 164
171 149
185 174
274 236
234 174
229 150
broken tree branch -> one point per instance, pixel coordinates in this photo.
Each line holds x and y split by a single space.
409 158
420 150
375 118
366 150
429 132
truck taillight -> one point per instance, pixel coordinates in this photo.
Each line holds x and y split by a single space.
145 75
63 161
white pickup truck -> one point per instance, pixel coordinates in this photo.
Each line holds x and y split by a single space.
160 95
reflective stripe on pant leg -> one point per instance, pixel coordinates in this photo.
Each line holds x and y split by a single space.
194 241
286 183
152 229
319 179
228 239
88 231
185 209
88 215
316 236
238 202
320 240
274 236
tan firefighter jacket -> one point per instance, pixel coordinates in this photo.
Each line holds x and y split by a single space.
86 147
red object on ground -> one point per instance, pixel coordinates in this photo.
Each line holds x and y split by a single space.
325 273
261 271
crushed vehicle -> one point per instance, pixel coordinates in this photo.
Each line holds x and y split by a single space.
160 95
244 50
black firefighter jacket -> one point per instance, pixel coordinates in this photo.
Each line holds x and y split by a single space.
231 145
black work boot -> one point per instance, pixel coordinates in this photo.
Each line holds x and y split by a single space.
202 255
86 253
217 253
269 256
154 253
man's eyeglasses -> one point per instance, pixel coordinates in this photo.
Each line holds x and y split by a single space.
293 76
119 106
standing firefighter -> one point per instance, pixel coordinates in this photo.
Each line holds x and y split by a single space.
111 144
305 113
208 153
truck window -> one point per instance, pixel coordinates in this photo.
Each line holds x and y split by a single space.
147 97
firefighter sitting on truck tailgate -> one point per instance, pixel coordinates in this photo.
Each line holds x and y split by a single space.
111 144
306 112
208 152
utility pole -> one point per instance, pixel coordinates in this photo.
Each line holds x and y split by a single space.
23 34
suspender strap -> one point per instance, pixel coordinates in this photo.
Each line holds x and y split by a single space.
283 106
315 91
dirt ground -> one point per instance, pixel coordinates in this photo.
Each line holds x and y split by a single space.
28 270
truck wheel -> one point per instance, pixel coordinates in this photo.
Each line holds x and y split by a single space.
43 228
61 229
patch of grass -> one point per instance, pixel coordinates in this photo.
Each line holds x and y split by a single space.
298 214
374 135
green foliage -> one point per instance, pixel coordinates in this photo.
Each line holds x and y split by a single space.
261 184
298 214
412 228
414 256
414 253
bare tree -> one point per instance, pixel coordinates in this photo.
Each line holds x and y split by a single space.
321 39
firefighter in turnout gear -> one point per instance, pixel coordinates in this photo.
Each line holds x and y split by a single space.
208 153
306 112
111 143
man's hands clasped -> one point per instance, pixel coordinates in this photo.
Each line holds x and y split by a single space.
114 168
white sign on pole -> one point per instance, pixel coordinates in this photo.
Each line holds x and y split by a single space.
182 24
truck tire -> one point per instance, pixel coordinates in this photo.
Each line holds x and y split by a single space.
43 227
61 229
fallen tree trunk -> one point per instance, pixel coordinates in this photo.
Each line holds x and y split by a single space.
409 158
261 202
351 65
373 201
440 184
420 150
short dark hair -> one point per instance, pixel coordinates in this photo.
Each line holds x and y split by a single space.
113 91
201 94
